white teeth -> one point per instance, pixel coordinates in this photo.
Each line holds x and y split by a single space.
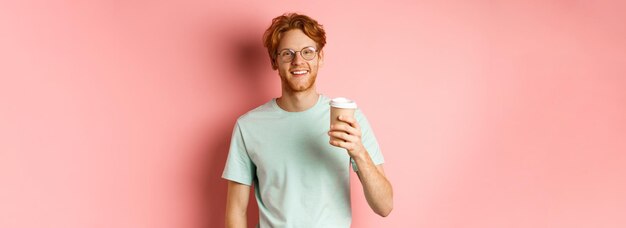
299 72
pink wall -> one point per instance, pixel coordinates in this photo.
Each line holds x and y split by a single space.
490 114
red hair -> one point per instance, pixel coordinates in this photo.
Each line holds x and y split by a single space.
287 22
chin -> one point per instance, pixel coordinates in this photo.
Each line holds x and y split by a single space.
301 87
296 85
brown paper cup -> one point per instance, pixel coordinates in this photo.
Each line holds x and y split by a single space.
341 106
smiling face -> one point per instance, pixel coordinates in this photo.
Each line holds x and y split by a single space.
298 75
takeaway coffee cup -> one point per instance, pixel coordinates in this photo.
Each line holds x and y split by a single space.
341 106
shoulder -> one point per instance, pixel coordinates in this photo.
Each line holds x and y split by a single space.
359 115
263 111
324 99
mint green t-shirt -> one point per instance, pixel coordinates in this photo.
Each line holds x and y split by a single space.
300 179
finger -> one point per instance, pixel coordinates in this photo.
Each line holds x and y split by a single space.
347 119
350 120
347 128
343 136
341 144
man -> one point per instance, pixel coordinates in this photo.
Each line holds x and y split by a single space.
301 179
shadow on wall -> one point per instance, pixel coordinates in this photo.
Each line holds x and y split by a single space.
243 61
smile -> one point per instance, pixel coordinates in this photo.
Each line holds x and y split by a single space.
299 72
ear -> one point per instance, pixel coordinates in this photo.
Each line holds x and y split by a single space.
274 63
320 57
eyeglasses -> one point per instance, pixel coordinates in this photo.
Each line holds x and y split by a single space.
287 55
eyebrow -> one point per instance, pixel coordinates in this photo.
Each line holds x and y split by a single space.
314 46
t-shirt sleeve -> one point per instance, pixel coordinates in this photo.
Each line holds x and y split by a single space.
368 139
239 168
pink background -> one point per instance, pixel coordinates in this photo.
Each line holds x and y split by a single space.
489 114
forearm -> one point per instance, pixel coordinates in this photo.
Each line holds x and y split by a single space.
377 189
236 220
237 205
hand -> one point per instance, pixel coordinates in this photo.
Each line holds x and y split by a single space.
347 136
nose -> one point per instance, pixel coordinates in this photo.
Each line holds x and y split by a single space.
297 59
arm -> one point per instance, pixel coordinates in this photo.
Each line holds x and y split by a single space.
377 189
237 205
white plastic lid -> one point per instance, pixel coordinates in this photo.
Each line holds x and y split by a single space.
342 102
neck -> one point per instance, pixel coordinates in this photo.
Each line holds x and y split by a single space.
297 101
